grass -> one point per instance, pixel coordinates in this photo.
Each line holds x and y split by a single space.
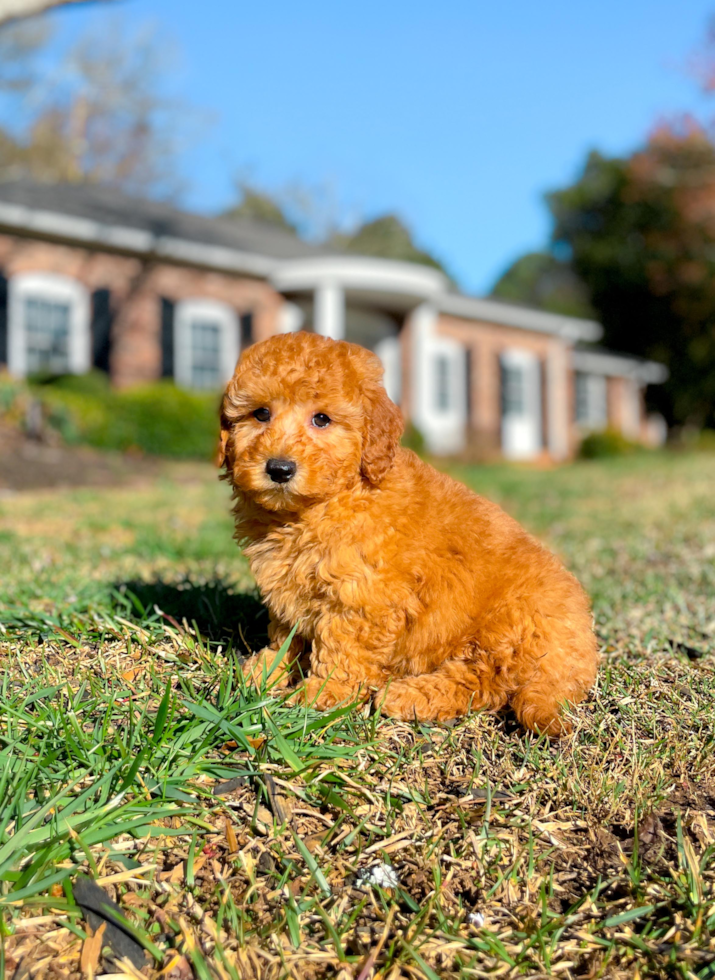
239 834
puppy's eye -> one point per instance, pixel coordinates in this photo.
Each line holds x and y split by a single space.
262 415
320 420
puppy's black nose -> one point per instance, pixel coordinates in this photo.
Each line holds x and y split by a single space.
280 470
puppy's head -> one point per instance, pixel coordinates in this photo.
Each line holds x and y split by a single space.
305 417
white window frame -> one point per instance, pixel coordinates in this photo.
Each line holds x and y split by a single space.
50 287
596 396
229 344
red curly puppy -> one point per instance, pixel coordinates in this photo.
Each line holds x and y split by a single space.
407 587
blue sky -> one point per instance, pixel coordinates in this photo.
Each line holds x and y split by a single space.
458 115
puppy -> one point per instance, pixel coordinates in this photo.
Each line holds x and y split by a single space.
407 588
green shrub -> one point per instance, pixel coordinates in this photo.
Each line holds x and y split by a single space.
93 383
158 418
608 442
9 393
413 439
705 441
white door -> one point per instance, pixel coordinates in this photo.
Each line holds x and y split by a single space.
521 404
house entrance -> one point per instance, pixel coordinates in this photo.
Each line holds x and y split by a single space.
521 404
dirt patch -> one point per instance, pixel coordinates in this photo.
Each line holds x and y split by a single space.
30 464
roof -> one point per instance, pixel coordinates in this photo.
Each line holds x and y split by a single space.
107 216
599 360
524 317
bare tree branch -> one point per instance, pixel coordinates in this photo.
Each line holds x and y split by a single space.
16 9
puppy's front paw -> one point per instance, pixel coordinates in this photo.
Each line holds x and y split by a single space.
405 700
259 666
317 692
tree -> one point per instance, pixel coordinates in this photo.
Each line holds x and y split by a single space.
13 10
641 233
20 45
105 121
540 279
389 238
314 213
258 205
311 211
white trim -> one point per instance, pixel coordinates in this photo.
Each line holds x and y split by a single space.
359 272
212 256
506 314
53 288
618 366
205 309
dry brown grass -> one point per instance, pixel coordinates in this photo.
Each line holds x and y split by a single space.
593 856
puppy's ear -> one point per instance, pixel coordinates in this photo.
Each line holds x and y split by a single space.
222 448
383 428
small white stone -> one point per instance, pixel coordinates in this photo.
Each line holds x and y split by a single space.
380 874
475 919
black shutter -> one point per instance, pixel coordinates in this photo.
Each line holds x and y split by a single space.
247 337
468 370
102 317
167 338
3 319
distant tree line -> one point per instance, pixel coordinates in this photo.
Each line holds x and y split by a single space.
312 212
633 243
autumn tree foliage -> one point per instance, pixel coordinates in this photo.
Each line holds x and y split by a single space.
641 236
634 241
100 114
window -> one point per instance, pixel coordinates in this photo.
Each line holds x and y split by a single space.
247 337
513 395
49 325
47 334
206 344
205 354
591 400
442 388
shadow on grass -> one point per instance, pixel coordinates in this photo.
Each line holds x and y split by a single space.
220 613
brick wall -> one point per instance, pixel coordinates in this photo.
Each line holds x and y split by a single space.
486 341
137 287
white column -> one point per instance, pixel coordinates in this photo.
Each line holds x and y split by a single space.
422 327
557 401
329 311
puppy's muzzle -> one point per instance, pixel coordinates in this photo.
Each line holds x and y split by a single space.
281 470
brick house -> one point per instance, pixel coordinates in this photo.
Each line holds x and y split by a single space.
92 278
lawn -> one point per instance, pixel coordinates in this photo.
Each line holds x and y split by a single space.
244 837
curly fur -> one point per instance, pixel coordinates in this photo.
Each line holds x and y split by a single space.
407 587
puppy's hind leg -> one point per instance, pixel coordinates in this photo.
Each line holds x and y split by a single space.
563 669
453 689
